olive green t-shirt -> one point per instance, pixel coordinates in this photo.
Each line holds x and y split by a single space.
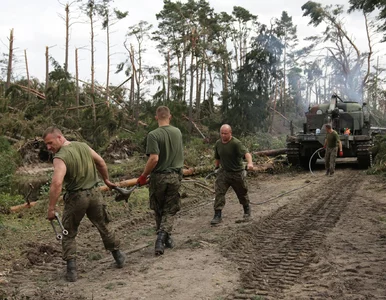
81 170
332 139
166 142
230 154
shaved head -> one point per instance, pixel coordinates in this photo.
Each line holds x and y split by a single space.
225 133
227 127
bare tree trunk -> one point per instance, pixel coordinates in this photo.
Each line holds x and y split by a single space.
92 66
375 100
225 86
236 56
191 92
108 64
10 59
47 69
67 9
132 89
274 109
204 93
198 88
77 80
27 72
185 77
210 100
169 79
284 80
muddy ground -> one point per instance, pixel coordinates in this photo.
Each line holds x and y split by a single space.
314 237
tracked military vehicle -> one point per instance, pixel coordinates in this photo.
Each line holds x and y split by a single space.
344 116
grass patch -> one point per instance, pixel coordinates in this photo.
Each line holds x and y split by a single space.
8 200
94 256
150 231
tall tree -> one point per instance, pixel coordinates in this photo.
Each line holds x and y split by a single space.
172 37
109 18
244 24
285 30
369 6
141 33
344 51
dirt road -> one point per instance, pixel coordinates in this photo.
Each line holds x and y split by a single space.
315 237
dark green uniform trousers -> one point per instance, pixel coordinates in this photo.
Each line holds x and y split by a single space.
165 199
76 206
236 180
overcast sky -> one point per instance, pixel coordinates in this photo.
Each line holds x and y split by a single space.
37 24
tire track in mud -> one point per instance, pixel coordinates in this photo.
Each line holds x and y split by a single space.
32 281
271 254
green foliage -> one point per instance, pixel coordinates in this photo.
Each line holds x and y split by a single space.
7 200
263 141
369 6
8 163
198 153
379 151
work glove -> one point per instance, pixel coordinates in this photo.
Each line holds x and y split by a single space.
340 153
216 169
142 180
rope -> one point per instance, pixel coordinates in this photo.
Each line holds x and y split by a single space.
298 188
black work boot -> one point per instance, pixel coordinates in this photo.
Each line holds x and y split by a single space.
71 275
247 211
169 243
327 172
217 217
160 243
119 258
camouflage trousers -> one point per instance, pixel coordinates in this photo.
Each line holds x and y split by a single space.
165 199
330 158
236 180
76 206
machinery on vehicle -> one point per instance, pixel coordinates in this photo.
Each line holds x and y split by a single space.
348 117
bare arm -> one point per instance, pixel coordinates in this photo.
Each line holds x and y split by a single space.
248 157
217 163
60 170
102 168
340 146
150 164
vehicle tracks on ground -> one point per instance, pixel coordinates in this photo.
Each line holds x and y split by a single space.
28 280
272 253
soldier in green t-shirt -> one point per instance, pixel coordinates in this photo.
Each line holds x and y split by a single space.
164 165
229 153
76 166
331 144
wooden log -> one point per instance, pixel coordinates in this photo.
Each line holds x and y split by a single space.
17 208
133 181
263 167
125 183
271 152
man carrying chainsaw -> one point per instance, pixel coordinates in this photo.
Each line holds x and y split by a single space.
76 165
164 165
331 144
229 153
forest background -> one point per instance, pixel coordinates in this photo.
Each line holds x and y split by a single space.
213 67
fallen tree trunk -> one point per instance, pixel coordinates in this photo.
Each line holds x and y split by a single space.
133 181
274 152
16 208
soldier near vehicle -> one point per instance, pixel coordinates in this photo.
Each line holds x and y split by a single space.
331 144
229 153
164 165
76 166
